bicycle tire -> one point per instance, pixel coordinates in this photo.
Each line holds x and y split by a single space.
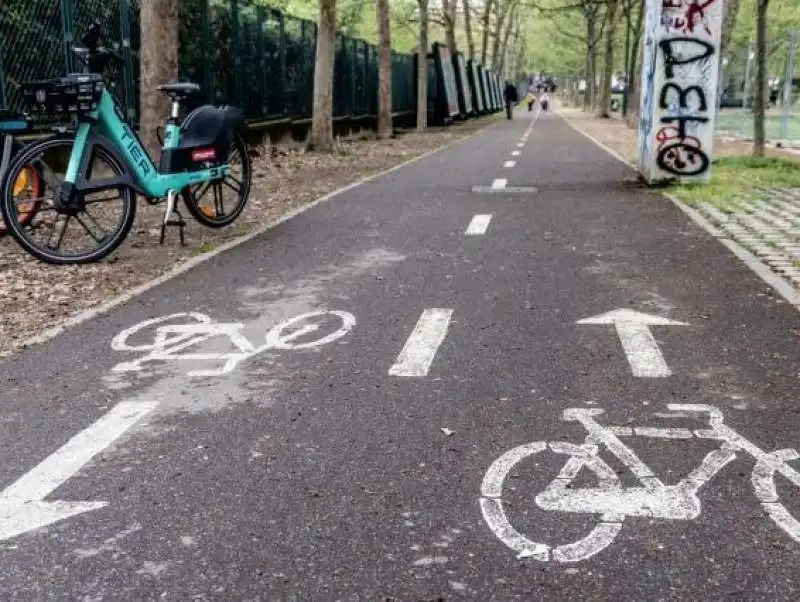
7 204
191 201
28 215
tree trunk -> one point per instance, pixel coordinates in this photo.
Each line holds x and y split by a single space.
608 61
759 134
512 20
422 67
589 65
321 138
383 17
449 8
634 67
468 30
502 13
730 16
487 13
160 21
635 96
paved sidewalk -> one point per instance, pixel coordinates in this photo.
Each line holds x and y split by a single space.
768 227
502 373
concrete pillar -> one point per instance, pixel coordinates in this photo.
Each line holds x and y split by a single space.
679 89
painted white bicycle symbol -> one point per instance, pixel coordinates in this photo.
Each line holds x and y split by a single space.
172 341
612 501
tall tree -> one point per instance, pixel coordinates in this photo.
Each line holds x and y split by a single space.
383 17
160 22
321 137
759 134
422 67
468 29
485 21
603 104
449 11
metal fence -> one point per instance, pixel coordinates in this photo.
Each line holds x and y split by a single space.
735 117
240 52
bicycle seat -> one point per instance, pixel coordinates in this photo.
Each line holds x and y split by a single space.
179 89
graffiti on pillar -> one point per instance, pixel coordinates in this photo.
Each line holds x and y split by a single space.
682 95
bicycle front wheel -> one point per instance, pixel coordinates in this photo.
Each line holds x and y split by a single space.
97 229
206 201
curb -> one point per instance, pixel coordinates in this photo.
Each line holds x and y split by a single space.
783 288
197 260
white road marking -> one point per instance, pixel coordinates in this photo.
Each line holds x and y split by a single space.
478 225
22 505
172 341
520 144
509 164
417 354
641 349
515 153
499 183
611 501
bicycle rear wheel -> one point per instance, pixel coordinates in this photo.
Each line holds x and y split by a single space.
49 157
29 184
205 201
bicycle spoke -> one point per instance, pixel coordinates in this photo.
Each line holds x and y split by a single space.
94 222
60 236
238 189
218 200
200 191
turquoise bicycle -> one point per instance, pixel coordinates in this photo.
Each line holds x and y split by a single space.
103 156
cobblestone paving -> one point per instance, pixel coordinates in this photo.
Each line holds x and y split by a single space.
768 226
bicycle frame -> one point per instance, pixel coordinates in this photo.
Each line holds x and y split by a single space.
105 126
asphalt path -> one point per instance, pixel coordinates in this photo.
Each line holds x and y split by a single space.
385 447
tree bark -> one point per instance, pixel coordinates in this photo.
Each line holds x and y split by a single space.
422 67
759 134
635 96
487 13
321 138
591 32
608 60
730 16
449 8
160 22
512 20
468 30
634 67
502 13
383 18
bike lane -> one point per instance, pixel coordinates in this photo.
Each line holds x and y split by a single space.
320 474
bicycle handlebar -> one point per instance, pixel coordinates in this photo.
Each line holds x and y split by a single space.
98 56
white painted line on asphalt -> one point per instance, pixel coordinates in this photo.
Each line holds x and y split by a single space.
520 144
509 164
641 349
499 183
783 288
190 264
417 354
515 153
22 505
478 225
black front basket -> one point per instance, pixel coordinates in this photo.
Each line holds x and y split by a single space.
73 96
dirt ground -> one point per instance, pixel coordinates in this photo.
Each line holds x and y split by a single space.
624 140
35 296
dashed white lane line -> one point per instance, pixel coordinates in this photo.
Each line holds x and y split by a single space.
499 183
478 225
515 153
520 144
509 164
417 354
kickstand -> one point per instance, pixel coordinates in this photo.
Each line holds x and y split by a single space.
172 217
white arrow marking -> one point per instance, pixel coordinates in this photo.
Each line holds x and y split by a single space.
22 505
641 349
